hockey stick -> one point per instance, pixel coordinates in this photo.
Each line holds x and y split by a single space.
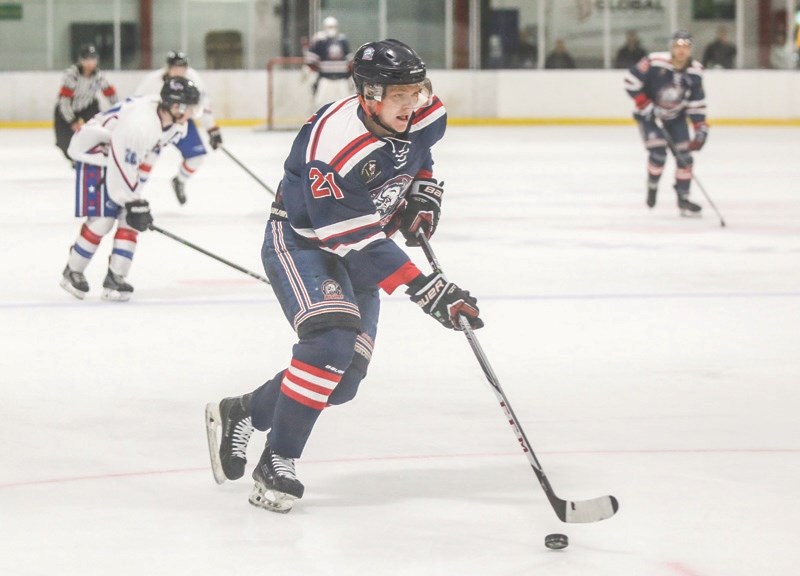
581 511
207 253
679 158
246 169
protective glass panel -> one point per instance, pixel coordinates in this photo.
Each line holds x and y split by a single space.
23 38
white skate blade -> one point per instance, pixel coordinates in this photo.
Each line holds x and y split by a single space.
212 427
65 284
272 500
689 214
115 295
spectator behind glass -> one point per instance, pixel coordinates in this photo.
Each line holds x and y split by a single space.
630 52
720 53
559 57
527 52
777 52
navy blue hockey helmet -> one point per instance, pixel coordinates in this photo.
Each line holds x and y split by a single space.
179 90
177 58
682 37
386 62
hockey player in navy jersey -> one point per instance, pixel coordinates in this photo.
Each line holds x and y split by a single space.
358 171
667 89
114 153
330 58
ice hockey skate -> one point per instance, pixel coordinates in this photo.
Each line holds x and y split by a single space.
115 289
652 190
228 452
179 186
688 208
276 484
75 283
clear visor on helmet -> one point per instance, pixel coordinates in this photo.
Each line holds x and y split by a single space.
189 111
402 95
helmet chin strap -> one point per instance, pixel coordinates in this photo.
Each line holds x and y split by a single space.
375 118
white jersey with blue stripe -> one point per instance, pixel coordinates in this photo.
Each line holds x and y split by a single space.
126 140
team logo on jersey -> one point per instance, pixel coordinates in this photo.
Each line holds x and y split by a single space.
670 97
387 198
370 171
331 290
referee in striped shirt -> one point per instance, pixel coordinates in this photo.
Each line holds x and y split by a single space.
77 99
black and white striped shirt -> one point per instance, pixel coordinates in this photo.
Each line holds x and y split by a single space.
79 91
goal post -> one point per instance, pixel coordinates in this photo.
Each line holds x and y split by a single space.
289 96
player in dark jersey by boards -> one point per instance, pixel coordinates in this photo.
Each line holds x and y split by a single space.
667 89
359 170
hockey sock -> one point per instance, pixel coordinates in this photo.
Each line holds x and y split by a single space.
317 366
264 400
87 242
122 253
189 167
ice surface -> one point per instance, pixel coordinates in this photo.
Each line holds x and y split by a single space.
647 356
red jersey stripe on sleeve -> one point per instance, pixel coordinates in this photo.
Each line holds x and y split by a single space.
403 275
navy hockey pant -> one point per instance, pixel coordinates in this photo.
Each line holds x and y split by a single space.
336 324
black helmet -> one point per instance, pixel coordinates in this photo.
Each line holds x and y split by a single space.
682 37
177 59
386 62
179 90
87 51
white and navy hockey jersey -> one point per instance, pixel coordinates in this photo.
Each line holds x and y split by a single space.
126 139
673 92
344 188
331 57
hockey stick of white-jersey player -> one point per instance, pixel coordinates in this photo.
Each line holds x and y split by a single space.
581 511
246 169
207 253
679 158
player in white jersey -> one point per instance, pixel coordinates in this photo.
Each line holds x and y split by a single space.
113 154
190 146
330 57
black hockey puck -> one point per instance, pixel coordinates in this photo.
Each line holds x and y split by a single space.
556 541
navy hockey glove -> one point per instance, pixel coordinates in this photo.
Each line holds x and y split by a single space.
422 211
444 301
138 215
215 137
700 136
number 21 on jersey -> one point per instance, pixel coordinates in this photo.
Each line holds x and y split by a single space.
324 185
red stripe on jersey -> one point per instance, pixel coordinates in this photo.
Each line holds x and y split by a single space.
424 174
319 372
352 149
186 167
314 144
109 91
403 275
376 225
90 236
126 234
436 105
67 92
145 167
304 400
